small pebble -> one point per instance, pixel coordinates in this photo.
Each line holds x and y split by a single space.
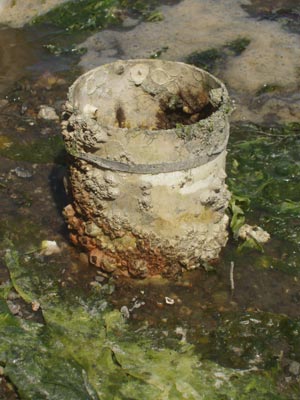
294 368
13 308
170 301
35 305
49 247
22 173
125 312
47 113
13 295
99 278
95 284
46 131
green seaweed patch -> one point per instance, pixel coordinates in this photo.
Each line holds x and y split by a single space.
236 210
25 232
141 8
85 350
287 13
206 59
237 207
238 45
58 50
44 150
260 339
79 15
159 52
89 15
263 167
5 142
268 88
211 58
154 16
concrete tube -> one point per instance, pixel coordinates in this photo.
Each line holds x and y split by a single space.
147 143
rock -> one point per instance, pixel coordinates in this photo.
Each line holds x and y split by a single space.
35 305
48 113
99 279
3 103
255 232
49 247
13 308
294 368
22 173
125 312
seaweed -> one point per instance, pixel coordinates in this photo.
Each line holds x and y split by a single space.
80 15
286 13
90 15
205 59
85 350
263 167
238 45
211 58
267 88
43 150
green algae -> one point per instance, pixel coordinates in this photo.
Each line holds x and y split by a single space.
267 88
211 58
286 13
155 16
256 338
25 233
159 52
89 15
237 207
59 50
238 45
206 59
85 350
5 142
264 167
43 150
80 15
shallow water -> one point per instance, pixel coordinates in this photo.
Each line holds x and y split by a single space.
264 81
272 55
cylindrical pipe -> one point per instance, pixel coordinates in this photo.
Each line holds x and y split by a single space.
147 140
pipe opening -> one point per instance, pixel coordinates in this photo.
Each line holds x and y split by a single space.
145 95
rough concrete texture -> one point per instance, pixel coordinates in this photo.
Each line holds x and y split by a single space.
148 144
17 13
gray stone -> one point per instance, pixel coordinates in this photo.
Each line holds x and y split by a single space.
22 173
48 113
